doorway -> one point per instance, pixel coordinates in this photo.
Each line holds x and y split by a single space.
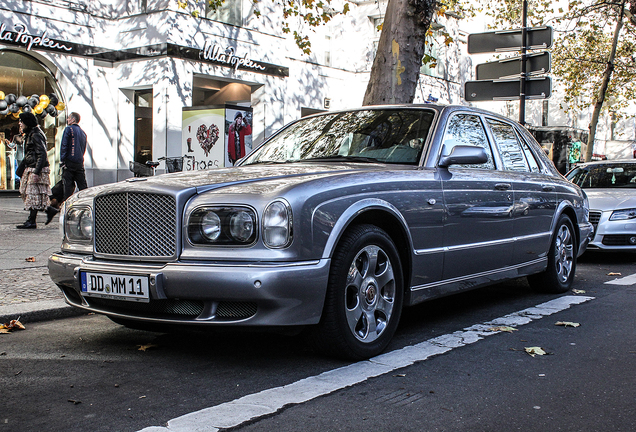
143 126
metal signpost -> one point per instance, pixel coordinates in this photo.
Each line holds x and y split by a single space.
516 77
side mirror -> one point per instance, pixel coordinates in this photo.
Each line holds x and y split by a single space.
463 155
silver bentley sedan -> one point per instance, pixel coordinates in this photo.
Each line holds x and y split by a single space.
334 225
611 188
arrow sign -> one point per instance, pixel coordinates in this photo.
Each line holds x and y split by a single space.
509 40
511 67
487 90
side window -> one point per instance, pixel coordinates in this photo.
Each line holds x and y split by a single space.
512 155
467 129
532 161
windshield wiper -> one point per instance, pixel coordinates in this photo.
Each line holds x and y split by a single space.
339 158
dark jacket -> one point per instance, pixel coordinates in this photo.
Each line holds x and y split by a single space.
73 147
35 150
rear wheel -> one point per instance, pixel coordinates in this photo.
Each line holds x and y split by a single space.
558 276
364 296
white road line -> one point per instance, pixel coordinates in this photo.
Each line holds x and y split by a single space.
627 280
266 402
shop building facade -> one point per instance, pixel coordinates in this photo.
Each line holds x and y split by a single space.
152 81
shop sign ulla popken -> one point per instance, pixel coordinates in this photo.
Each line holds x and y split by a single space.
214 53
20 36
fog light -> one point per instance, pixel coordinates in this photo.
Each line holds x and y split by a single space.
632 240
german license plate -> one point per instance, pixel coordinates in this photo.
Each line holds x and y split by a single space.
115 286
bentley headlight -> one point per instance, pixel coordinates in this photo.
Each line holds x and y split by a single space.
623 214
78 224
222 226
277 225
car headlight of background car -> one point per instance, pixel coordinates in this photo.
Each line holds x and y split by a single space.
277 225
623 214
78 224
222 226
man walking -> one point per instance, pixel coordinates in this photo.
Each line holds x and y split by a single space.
72 156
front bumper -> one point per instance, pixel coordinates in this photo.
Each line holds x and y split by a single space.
214 293
586 231
613 235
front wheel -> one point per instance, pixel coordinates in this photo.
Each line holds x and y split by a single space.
364 296
558 276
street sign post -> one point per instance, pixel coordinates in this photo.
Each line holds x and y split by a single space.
488 90
511 67
509 40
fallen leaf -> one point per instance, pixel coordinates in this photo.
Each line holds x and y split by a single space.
30 259
575 291
399 375
146 347
535 351
614 274
567 324
75 402
503 329
142 397
11 325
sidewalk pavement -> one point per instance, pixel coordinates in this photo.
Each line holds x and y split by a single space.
26 290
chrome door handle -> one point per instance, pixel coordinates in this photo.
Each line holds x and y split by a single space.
502 186
547 188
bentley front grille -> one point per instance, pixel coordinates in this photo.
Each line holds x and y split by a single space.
136 224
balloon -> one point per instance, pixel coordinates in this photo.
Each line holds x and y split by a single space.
53 100
3 105
16 115
50 109
43 115
21 101
38 109
33 101
4 111
10 98
1 95
55 112
60 106
14 108
27 109
44 99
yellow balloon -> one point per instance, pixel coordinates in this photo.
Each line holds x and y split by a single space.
44 99
16 115
1 95
38 109
60 106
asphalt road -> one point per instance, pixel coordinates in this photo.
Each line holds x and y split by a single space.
89 374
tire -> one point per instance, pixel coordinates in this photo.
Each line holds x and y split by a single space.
558 276
364 296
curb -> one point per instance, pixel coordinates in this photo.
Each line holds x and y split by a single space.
30 312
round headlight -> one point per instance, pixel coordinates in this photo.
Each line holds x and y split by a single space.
241 226
211 226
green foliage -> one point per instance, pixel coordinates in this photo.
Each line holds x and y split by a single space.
311 12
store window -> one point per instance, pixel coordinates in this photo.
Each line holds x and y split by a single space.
230 12
27 85
143 126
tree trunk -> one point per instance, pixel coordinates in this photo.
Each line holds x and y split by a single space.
600 97
396 67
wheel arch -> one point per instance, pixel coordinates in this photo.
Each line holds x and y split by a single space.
385 216
568 210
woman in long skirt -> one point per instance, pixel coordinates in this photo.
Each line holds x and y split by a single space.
35 185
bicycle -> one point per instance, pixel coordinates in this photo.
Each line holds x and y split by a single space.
143 169
174 164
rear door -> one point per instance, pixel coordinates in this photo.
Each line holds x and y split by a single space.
534 194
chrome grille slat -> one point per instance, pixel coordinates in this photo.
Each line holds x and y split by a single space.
136 224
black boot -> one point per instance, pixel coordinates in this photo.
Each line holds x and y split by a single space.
50 214
30 222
